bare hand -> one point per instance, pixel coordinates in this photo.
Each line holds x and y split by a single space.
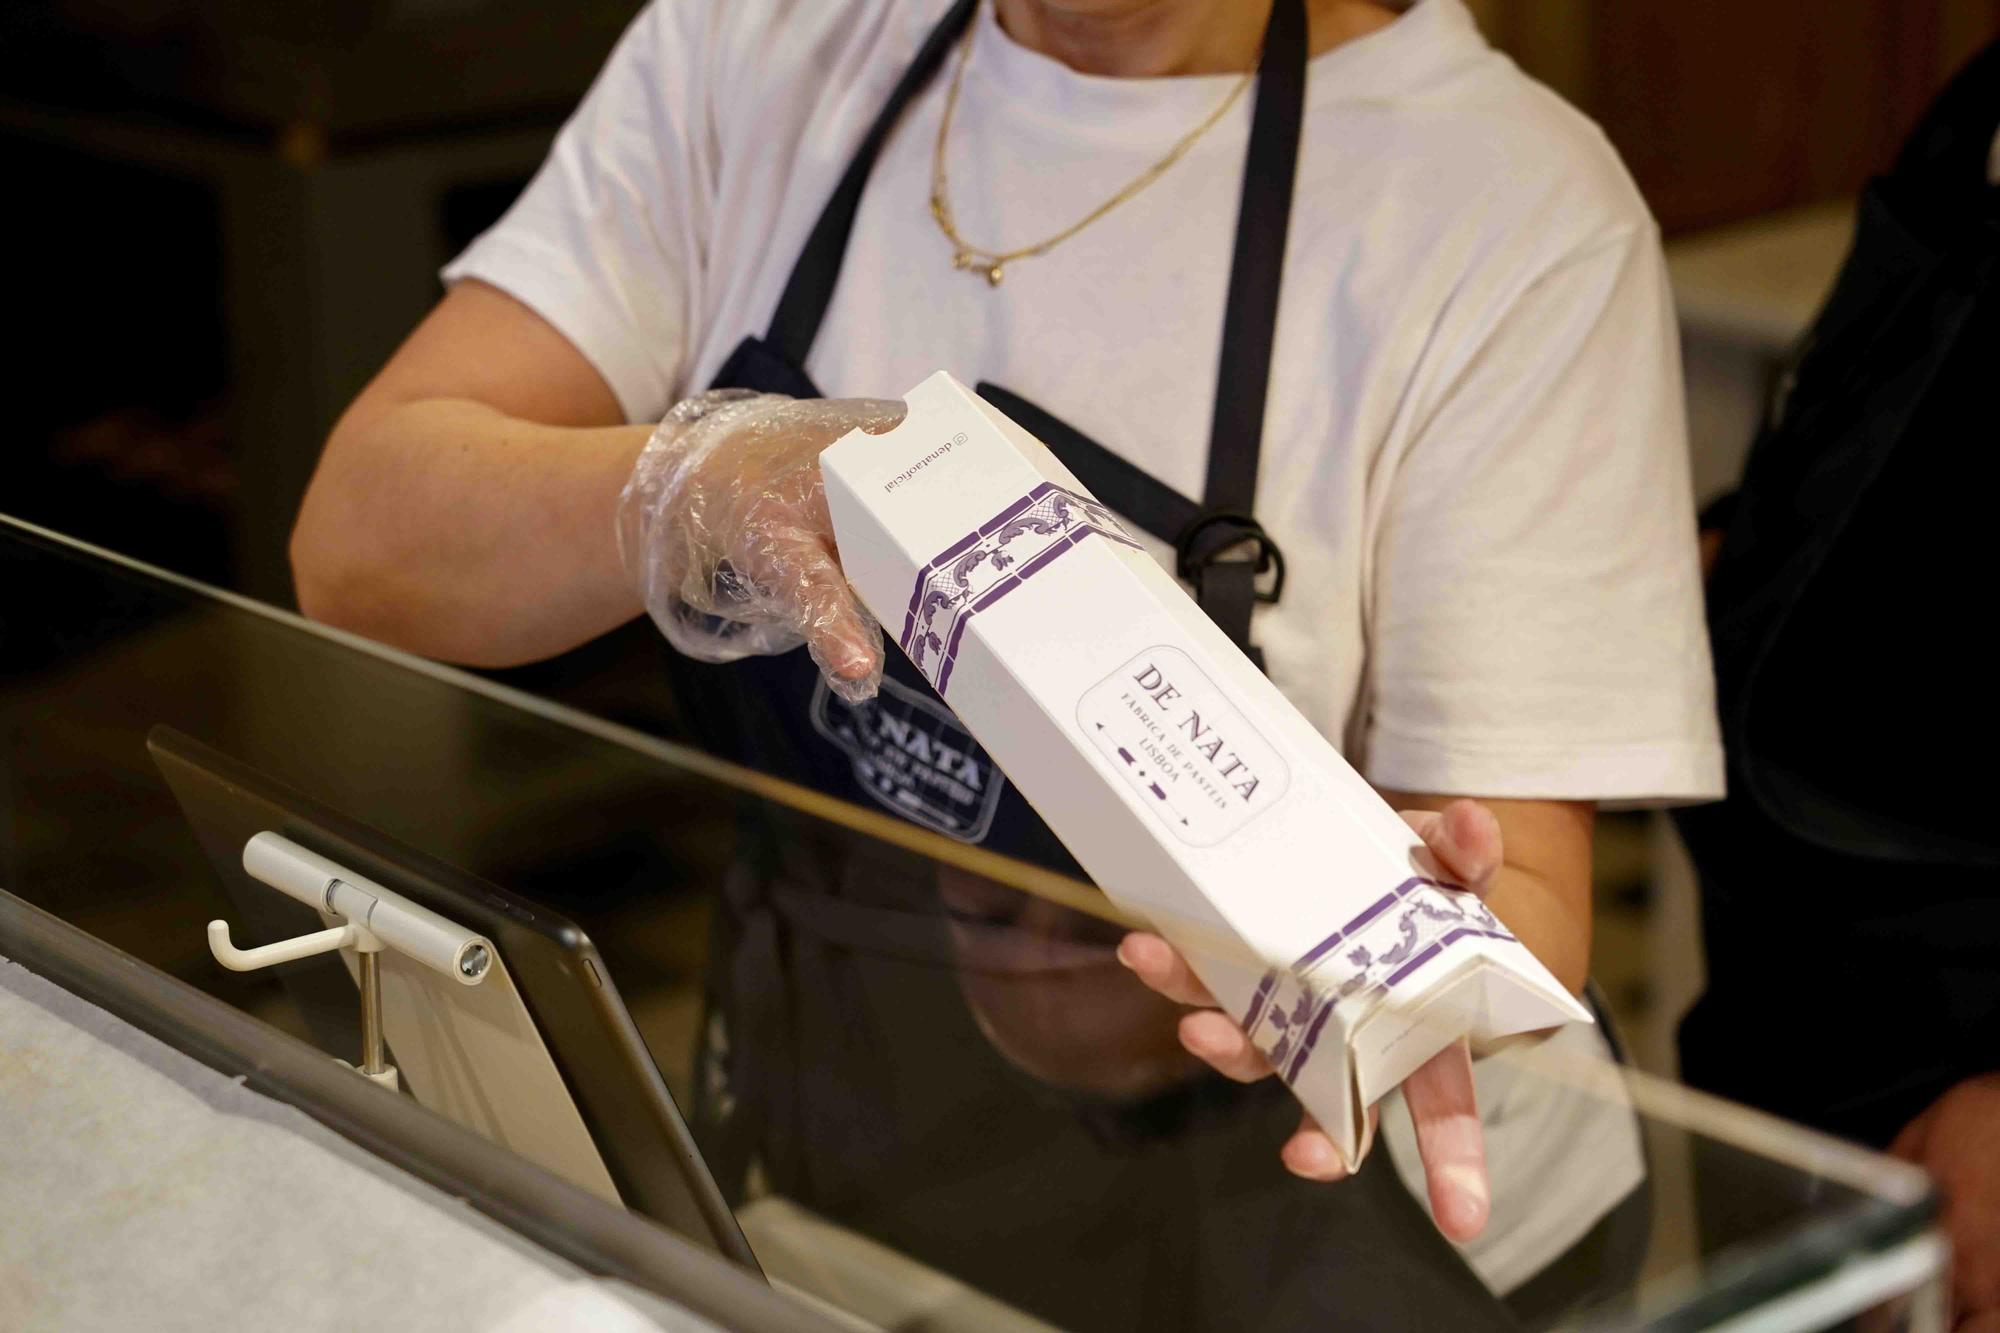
1465 840
1958 1141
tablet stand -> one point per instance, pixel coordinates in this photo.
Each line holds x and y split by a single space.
372 918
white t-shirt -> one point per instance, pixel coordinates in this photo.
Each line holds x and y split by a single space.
1474 455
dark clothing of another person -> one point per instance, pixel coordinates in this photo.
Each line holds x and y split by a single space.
1851 881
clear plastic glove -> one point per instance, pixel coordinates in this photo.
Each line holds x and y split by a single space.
724 530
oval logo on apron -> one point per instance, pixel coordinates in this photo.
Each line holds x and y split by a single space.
912 755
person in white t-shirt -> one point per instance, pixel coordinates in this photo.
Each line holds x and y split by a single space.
1337 271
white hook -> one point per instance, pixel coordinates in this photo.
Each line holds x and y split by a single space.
407 927
285 951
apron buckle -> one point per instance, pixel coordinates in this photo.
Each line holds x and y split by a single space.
1205 541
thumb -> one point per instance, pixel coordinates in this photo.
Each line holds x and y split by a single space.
1464 837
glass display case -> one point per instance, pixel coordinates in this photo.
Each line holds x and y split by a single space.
915 1068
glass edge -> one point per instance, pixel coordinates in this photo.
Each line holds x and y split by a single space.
1809 1151
1808 1287
1042 883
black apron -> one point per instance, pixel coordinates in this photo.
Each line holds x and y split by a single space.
905 750
1851 880
846 1056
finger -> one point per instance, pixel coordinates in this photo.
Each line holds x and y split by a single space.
1464 837
876 416
1910 1142
1309 1153
1420 821
1445 1111
1975 1285
1213 1037
1160 965
817 424
843 638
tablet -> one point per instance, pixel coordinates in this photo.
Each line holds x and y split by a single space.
542 1056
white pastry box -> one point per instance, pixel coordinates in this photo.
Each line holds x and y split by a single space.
1179 777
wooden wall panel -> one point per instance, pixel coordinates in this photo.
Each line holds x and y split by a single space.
1967 26
1724 109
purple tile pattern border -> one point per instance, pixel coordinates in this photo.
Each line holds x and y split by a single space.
991 561
1384 943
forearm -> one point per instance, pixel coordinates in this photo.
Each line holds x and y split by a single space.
1546 920
446 527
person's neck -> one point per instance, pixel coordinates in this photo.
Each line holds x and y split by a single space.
1137 39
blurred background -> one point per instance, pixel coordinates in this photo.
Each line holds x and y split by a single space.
225 215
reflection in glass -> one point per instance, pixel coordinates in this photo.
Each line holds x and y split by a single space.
918 1069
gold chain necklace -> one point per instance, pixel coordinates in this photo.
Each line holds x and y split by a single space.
993 263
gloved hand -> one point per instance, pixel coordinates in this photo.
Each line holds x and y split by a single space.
724 530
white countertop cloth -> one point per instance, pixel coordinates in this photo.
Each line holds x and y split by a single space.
140 1189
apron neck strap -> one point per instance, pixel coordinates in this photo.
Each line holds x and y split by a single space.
809 291
1250 317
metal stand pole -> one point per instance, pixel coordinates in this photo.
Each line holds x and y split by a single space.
372 1062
